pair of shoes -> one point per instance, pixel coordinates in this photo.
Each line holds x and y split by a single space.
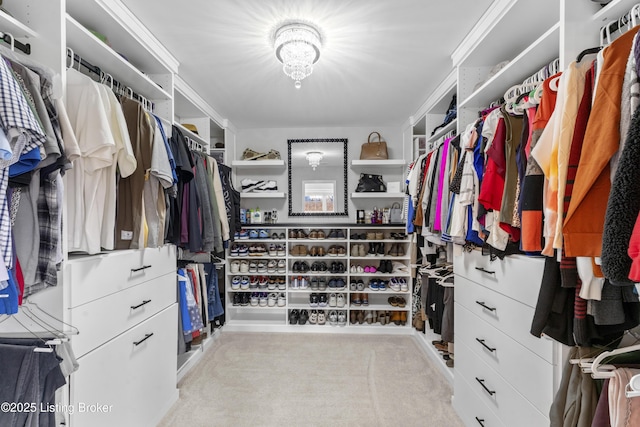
299 250
249 154
298 234
299 282
336 250
258 186
370 269
378 285
337 268
397 249
336 233
317 251
317 234
319 266
384 317
359 236
398 236
386 266
396 301
376 249
358 250
300 267
375 235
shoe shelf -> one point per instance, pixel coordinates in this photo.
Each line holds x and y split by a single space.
257 164
273 195
260 318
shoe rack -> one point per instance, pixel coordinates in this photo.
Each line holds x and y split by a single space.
354 278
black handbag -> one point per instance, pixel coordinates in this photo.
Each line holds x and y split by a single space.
369 183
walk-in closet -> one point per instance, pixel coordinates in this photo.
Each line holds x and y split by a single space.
320 213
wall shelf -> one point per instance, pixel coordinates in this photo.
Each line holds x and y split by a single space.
89 47
377 195
192 135
441 132
378 163
613 11
274 195
257 164
538 54
17 29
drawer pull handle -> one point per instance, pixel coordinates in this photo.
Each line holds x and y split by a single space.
481 422
146 337
491 392
144 267
485 345
144 302
485 271
481 303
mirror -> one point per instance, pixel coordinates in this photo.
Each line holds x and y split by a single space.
317 177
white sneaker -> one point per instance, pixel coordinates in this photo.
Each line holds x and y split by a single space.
271 266
321 317
340 301
272 300
266 187
235 266
254 301
263 301
249 185
244 267
235 283
282 300
280 250
262 267
332 300
282 266
313 317
333 318
342 318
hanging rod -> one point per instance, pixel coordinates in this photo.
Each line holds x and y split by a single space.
126 90
10 40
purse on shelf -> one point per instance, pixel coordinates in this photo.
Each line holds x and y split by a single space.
395 216
374 150
370 183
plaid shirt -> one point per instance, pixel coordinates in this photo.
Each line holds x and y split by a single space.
15 111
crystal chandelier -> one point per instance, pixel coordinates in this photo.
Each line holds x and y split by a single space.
314 158
297 47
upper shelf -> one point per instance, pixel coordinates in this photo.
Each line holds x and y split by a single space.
442 131
191 135
9 24
375 195
89 47
537 55
379 163
613 11
255 164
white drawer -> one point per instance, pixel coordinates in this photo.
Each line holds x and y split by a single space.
102 319
509 316
516 276
136 382
510 406
470 407
94 277
524 370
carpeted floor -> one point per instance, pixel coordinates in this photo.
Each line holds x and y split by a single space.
271 379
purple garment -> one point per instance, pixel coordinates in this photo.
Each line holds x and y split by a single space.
443 170
184 215
601 416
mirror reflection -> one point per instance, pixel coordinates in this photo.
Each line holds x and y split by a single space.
317 177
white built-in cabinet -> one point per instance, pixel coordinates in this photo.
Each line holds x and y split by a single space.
504 376
119 308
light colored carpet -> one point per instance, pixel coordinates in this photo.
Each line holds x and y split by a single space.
276 379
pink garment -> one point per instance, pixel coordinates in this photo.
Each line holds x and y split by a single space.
623 411
443 170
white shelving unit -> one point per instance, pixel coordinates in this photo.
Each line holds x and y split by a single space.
257 164
16 28
274 195
377 195
256 318
390 163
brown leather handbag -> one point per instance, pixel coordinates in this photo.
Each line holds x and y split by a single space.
374 150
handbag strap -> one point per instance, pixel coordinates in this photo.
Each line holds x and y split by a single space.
379 137
395 205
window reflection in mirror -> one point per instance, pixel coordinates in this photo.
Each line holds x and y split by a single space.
319 196
317 177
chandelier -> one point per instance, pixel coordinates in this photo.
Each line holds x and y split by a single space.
314 158
297 47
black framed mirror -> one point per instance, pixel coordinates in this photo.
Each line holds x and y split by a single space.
318 177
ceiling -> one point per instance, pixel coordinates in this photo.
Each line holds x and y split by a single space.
379 62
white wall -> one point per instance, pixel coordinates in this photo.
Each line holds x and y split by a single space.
263 140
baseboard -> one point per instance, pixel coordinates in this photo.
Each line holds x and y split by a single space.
424 342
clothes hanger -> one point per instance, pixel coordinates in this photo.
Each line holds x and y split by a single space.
47 349
75 331
599 371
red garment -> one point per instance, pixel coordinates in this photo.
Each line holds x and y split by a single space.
634 252
493 179
20 280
